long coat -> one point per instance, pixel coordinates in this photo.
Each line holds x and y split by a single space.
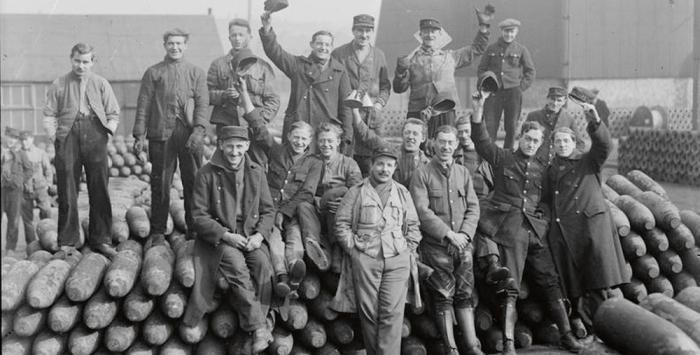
211 221
582 237
316 95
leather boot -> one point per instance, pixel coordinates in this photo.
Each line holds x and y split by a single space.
465 319
282 288
557 310
445 325
494 271
297 271
510 316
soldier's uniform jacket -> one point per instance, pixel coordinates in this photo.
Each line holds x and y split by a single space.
259 82
316 95
552 120
16 169
42 173
580 216
481 172
433 71
445 201
516 195
511 62
291 182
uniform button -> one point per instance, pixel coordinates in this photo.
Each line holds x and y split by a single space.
526 173
577 212
524 210
330 78
557 219
526 181
310 73
285 181
452 201
218 187
524 191
255 216
556 192
501 73
304 97
218 201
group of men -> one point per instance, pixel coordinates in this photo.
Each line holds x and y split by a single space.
447 205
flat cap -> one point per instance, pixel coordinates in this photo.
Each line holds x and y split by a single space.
25 134
581 94
384 151
430 23
508 23
556 91
363 20
229 132
11 132
275 5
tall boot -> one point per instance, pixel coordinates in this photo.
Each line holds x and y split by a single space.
465 319
557 310
445 325
510 316
494 271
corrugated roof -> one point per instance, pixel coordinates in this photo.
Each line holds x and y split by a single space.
37 47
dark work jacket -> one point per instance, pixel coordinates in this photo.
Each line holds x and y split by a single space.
316 96
581 218
165 89
516 195
213 217
482 174
16 169
511 62
290 182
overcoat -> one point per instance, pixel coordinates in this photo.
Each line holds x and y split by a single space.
582 237
212 199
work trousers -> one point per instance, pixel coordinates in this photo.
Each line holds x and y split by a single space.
164 156
249 275
446 118
284 252
535 255
11 201
43 201
508 103
452 280
381 285
85 146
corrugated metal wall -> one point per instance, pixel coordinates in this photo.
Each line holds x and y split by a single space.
630 39
569 39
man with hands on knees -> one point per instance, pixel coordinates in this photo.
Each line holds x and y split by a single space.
513 227
293 173
233 214
171 114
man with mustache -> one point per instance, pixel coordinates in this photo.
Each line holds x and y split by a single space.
515 70
233 215
448 209
430 71
511 218
81 112
377 227
554 115
293 176
319 83
223 75
171 114
368 74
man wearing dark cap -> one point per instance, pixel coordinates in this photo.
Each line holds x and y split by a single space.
513 65
222 80
429 72
556 114
36 190
368 74
80 112
16 172
232 217
377 227
171 114
319 83
601 107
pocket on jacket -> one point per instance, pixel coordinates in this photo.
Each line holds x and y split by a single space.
399 241
514 59
591 211
437 201
369 214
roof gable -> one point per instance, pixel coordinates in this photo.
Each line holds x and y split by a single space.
37 47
